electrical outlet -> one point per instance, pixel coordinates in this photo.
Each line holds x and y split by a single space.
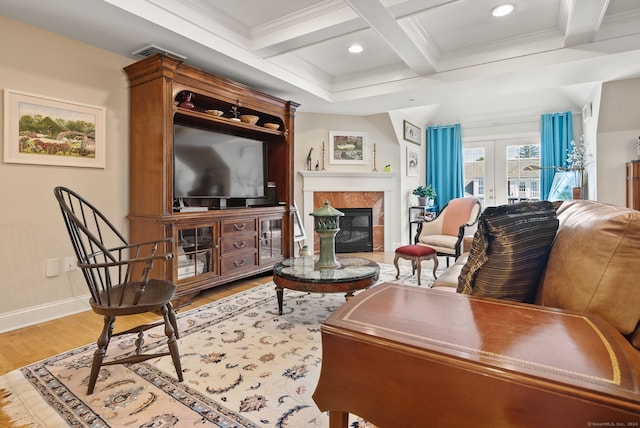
52 267
69 264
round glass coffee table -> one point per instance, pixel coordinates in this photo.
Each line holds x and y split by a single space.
300 274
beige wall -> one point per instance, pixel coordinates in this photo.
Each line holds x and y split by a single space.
617 134
31 227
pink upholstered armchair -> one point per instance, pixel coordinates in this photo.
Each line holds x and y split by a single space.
446 232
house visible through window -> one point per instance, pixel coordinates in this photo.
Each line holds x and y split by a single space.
494 170
523 185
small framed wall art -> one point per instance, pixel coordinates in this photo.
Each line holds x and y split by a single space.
347 147
48 131
413 162
411 132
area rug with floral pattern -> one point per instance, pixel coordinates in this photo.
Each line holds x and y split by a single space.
244 366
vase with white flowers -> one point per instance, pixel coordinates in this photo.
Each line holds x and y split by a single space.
577 160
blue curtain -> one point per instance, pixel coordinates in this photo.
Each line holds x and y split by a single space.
556 132
444 162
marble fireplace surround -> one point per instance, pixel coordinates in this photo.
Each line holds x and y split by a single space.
349 190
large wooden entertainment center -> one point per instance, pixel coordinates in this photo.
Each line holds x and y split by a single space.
228 239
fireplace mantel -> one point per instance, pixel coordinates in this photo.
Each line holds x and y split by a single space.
344 181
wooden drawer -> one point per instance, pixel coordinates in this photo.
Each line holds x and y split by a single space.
241 225
238 262
232 244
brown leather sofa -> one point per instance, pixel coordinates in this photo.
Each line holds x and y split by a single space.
593 266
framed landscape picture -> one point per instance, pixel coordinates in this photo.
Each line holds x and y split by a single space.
48 131
347 147
411 132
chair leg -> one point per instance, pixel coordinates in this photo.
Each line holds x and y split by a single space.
170 331
435 265
417 265
395 263
98 355
174 322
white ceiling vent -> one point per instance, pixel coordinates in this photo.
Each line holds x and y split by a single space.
153 49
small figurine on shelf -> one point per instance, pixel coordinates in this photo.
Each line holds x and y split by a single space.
235 113
309 159
186 100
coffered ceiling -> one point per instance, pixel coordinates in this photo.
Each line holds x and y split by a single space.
433 59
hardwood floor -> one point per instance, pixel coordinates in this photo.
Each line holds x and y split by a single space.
31 344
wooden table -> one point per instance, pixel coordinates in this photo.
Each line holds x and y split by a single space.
300 273
401 356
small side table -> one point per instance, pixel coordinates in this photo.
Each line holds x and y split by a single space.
424 212
300 274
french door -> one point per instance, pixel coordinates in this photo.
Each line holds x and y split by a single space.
494 170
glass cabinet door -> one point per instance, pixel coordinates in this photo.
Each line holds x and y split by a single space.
194 251
270 246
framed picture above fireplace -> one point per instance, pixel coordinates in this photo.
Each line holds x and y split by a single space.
347 147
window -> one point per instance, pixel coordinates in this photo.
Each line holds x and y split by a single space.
474 172
521 184
494 170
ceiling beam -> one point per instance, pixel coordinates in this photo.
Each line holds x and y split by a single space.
583 20
412 51
325 20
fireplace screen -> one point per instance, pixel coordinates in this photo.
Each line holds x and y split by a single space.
356 232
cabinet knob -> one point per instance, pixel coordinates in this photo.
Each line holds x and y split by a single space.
238 264
239 226
240 245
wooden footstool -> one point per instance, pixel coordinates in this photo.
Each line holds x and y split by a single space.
416 253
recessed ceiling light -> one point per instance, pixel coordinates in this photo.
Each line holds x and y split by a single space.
355 49
502 10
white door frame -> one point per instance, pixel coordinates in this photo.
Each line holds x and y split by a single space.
495 158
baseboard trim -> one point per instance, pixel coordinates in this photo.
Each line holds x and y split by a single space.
41 313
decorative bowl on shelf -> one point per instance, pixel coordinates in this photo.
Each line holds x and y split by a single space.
214 112
249 118
272 125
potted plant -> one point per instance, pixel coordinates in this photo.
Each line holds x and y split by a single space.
424 194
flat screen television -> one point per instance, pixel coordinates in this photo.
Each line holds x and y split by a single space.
211 164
